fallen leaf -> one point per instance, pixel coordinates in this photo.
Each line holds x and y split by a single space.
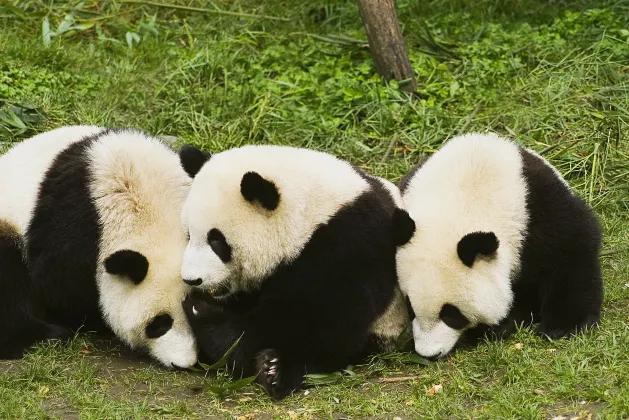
409 403
292 415
518 346
552 350
539 392
435 389
244 399
43 390
307 392
84 351
374 402
336 400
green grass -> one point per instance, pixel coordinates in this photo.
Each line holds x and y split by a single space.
553 74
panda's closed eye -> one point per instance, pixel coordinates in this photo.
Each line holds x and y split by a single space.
452 317
219 245
159 326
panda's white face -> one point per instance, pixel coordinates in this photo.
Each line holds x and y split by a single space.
141 301
251 209
449 298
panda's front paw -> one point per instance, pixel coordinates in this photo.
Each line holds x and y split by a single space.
276 377
56 332
197 309
556 332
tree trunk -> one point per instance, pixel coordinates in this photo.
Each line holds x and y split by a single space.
386 42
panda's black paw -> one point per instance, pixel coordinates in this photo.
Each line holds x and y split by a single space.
198 309
555 333
56 332
278 381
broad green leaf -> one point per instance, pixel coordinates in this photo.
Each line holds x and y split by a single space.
45 31
240 383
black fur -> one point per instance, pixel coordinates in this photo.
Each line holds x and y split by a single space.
192 159
254 187
560 256
20 328
219 245
128 263
62 241
403 227
293 325
406 179
452 317
159 326
475 243
559 284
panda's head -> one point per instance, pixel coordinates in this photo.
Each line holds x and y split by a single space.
141 301
451 285
254 208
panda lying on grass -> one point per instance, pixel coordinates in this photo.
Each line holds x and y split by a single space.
90 231
496 238
296 250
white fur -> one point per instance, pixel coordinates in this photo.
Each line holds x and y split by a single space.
312 185
473 183
22 169
139 189
392 322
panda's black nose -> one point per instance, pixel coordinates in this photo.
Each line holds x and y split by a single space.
178 367
194 282
434 357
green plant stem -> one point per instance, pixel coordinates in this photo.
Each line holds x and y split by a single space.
202 10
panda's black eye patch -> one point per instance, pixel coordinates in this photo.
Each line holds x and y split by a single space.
219 245
452 317
159 326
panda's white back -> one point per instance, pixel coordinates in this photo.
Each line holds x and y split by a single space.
23 167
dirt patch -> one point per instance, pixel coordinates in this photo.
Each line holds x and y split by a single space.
9 366
59 409
585 410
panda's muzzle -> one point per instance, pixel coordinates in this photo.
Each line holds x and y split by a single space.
220 290
193 282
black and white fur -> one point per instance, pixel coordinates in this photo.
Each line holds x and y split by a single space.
497 238
296 250
89 231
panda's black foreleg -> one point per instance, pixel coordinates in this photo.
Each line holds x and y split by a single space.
571 299
15 344
19 328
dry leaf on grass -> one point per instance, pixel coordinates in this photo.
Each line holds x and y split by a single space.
435 389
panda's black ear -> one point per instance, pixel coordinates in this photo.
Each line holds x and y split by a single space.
128 263
475 243
192 159
253 187
403 227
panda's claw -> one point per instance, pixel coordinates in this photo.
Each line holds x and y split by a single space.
275 360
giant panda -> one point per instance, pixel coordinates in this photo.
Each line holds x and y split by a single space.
89 232
493 237
294 250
